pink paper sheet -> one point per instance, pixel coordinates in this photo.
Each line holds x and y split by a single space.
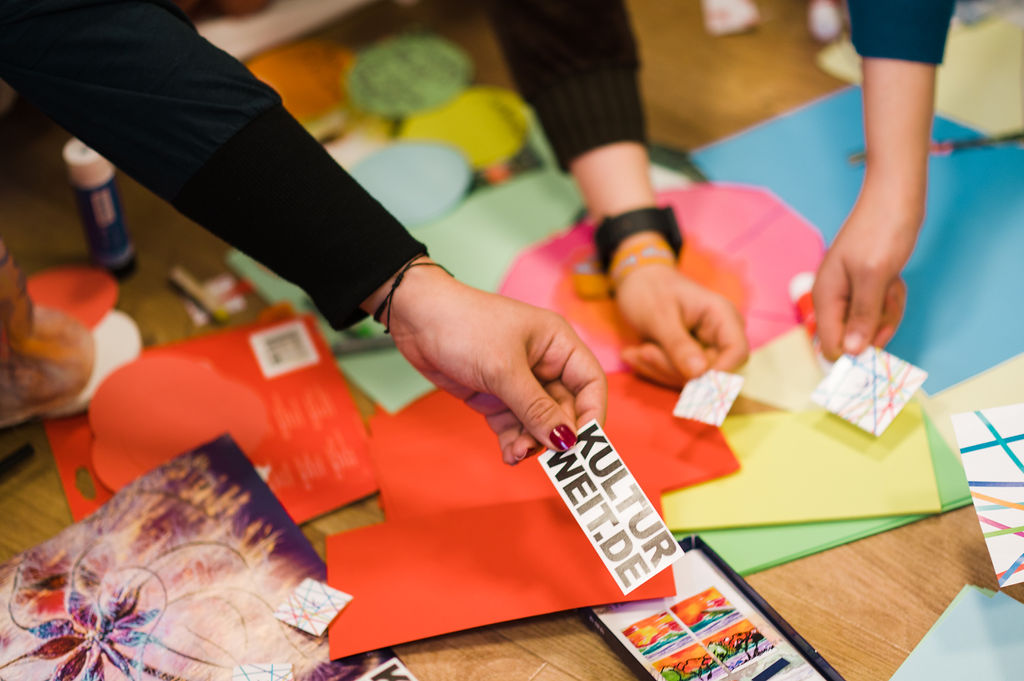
742 242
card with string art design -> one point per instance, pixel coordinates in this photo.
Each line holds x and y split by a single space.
869 390
262 671
312 606
991 445
708 397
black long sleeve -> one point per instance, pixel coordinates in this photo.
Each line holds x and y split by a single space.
576 62
134 80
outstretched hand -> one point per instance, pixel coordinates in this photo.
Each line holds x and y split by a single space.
523 368
686 329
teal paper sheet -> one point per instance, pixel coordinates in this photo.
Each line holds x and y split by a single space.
957 323
750 550
979 636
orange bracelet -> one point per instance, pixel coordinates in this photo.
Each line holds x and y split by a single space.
648 249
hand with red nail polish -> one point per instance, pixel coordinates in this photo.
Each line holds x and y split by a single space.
523 368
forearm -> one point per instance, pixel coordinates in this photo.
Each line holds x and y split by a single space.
898 111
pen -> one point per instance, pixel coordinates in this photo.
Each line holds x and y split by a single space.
188 285
14 458
949 146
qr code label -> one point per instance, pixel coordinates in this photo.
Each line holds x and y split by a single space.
284 349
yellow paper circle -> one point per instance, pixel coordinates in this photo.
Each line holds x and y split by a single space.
488 124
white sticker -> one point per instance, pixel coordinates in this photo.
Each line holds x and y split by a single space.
611 508
283 349
390 670
312 606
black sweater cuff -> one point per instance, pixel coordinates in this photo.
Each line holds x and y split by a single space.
274 193
589 109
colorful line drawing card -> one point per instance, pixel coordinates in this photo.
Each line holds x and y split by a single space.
709 397
869 390
992 450
263 671
705 611
175 577
312 606
389 670
742 242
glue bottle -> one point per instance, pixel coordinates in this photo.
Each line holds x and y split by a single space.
99 206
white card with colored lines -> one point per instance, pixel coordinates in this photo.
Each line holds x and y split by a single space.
991 445
262 671
869 390
709 397
312 606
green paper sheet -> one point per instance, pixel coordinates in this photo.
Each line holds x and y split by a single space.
750 550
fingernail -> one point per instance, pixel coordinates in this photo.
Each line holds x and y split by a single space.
562 437
852 342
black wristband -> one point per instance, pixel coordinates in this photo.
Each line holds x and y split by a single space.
614 230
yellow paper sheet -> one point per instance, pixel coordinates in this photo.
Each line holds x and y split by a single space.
810 466
979 82
783 373
999 386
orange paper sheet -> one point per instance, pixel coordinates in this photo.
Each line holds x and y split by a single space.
301 429
421 577
470 541
438 455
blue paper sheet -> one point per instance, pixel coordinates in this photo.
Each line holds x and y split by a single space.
967 264
980 636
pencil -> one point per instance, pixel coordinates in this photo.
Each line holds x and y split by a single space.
949 146
188 285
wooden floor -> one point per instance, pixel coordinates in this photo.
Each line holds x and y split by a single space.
864 605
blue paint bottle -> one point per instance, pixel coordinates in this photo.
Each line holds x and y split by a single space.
99 206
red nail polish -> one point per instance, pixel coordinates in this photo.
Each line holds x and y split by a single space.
562 438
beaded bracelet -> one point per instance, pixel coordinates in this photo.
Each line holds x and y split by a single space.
646 249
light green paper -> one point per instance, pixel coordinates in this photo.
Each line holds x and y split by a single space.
750 550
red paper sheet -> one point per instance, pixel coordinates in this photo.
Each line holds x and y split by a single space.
425 576
71 442
313 444
438 455
470 541
85 293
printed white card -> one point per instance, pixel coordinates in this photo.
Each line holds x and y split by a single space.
612 510
709 397
991 445
312 606
283 348
390 670
869 390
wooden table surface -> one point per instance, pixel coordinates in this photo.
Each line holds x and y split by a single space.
864 605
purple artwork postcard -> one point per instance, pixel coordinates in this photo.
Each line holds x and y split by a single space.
176 578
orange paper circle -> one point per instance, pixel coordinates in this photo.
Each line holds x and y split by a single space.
153 409
85 293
